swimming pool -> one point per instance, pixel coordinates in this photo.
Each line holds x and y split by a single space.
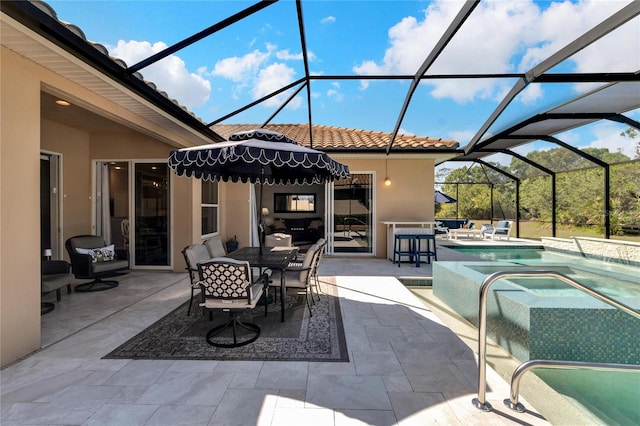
613 279
543 318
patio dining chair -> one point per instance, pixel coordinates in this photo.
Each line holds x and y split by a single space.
322 243
215 247
227 285
301 276
194 254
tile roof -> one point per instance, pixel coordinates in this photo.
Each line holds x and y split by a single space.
329 138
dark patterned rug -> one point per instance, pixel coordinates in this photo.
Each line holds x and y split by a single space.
299 338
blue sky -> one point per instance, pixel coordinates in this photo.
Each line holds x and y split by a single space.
250 59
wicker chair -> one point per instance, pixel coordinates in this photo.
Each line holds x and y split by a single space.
91 258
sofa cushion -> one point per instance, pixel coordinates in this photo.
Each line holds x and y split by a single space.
279 224
315 224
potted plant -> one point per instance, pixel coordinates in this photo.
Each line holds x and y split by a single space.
232 244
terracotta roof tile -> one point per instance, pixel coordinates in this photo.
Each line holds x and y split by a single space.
329 138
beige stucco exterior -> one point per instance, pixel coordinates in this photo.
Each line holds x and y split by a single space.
25 134
19 207
409 197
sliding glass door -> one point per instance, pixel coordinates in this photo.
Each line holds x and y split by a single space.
133 210
353 214
151 214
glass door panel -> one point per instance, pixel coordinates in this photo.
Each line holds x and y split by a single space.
353 214
119 204
151 214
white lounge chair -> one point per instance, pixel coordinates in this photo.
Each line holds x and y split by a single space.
498 232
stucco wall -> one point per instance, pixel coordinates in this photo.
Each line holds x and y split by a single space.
19 208
73 146
409 197
236 212
23 135
80 148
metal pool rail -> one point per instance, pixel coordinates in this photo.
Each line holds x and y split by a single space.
480 402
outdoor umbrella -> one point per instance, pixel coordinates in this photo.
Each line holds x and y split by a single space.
257 156
442 198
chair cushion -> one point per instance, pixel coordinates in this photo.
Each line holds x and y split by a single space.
215 247
52 282
99 254
306 263
87 242
110 266
50 267
196 253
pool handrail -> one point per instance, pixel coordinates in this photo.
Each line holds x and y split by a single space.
481 402
512 401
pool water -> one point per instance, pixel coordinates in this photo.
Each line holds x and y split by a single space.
545 317
503 253
612 279
611 395
615 287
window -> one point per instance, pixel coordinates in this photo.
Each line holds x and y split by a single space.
209 208
289 203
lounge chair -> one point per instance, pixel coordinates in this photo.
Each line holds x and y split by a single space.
500 231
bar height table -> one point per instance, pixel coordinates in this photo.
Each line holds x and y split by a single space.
394 225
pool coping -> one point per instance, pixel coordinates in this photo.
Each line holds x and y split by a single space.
557 409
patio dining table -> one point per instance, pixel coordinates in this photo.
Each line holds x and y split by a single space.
274 258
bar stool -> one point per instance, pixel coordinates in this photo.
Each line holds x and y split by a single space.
428 251
398 249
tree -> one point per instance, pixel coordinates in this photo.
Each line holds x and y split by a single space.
632 133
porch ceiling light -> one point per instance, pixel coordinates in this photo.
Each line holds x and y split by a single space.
62 102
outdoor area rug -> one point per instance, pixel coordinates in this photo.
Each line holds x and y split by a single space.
300 338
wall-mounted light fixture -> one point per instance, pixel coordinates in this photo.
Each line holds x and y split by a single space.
387 181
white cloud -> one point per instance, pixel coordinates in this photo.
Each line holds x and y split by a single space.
328 20
240 68
562 22
286 56
169 75
607 135
333 93
462 136
526 35
272 78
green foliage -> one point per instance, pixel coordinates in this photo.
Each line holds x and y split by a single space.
579 190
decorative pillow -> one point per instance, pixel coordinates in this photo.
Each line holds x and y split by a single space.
279 224
315 224
102 254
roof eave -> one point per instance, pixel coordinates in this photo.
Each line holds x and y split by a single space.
38 21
